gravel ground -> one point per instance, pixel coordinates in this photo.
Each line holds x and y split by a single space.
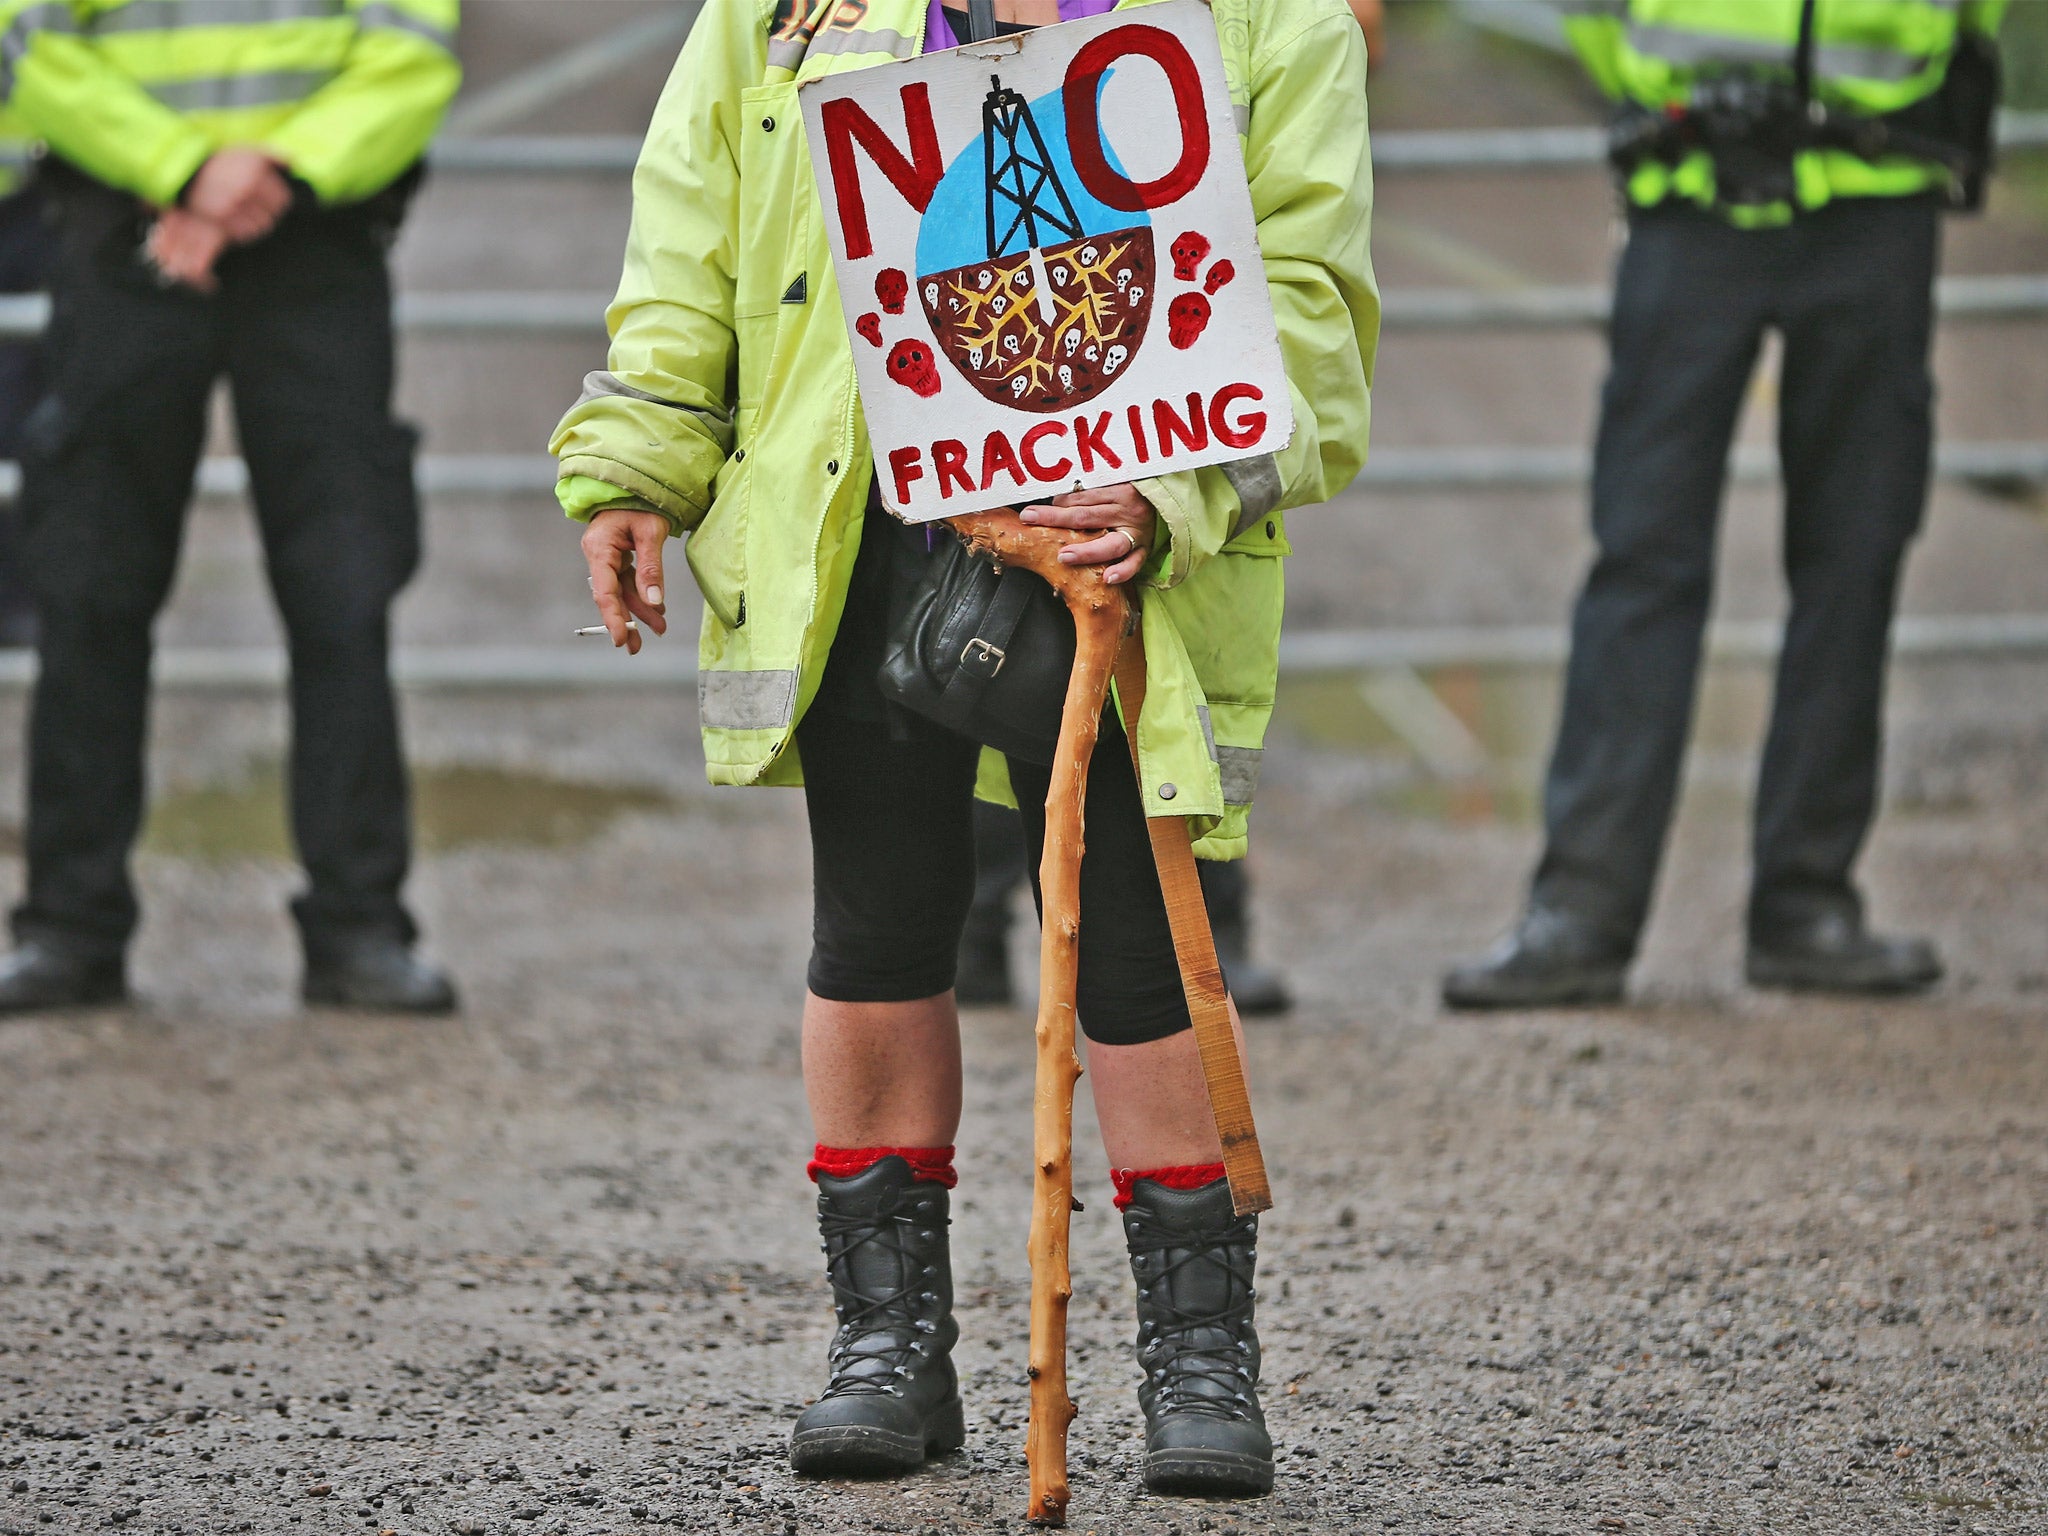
1716 1261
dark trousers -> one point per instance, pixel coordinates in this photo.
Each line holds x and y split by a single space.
28 253
1849 289
301 328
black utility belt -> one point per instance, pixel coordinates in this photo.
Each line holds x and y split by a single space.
1755 126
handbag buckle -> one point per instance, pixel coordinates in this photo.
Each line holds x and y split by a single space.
979 653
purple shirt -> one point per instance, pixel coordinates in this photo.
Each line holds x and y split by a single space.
938 33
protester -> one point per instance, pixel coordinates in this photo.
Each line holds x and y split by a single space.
221 215
768 469
1784 170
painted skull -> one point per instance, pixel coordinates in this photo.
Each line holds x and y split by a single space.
1115 359
1059 275
1019 384
1188 252
892 287
1071 342
1066 379
1089 255
983 278
1186 318
912 365
1219 276
1123 278
931 293
1011 344
1137 294
1000 303
870 328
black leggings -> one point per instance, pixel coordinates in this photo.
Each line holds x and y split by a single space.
890 799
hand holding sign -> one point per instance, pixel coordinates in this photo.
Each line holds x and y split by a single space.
1038 235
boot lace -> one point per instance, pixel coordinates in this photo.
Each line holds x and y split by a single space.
1188 1369
893 1315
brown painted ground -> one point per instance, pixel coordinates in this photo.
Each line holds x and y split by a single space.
1714 1262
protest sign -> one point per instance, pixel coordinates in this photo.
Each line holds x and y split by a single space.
1046 253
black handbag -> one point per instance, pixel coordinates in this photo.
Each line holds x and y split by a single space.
984 651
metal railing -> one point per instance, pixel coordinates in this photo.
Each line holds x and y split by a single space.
1449 149
1316 653
556 312
1389 469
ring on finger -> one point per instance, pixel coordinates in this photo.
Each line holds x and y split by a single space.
1131 540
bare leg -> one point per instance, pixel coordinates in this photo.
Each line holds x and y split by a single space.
1153 1103
883 1074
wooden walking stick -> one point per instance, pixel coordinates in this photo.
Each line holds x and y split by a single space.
1101 615
1201 974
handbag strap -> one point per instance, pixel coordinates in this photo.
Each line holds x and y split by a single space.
984 655
981 20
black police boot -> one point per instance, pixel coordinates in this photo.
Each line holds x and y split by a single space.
1192 1258
1553 959
983 977
1226 892
1832 951
377 973
41 976
893 1395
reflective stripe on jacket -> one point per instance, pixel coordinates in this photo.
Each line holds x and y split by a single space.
1870 56
730 406
138 93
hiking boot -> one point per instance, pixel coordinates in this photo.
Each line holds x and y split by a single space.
1192 1257
1832 951
1553 959
376 973
40 976
893 1396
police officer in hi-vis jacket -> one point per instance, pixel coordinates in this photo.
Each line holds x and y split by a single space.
1785 164
228 177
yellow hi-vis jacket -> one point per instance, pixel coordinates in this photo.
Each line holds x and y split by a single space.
138 93
730 404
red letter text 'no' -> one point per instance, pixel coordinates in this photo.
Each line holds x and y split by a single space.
916 178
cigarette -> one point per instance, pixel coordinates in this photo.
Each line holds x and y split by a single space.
599 629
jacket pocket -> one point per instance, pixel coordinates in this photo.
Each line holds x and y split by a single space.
717 548
771 153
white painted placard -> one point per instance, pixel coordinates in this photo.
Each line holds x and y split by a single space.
1048 261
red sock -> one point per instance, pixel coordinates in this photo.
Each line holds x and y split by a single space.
1192 1176
932 1165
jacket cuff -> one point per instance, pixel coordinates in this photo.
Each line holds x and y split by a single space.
174 168
582 498
630 485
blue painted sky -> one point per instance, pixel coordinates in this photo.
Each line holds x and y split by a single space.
955 230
